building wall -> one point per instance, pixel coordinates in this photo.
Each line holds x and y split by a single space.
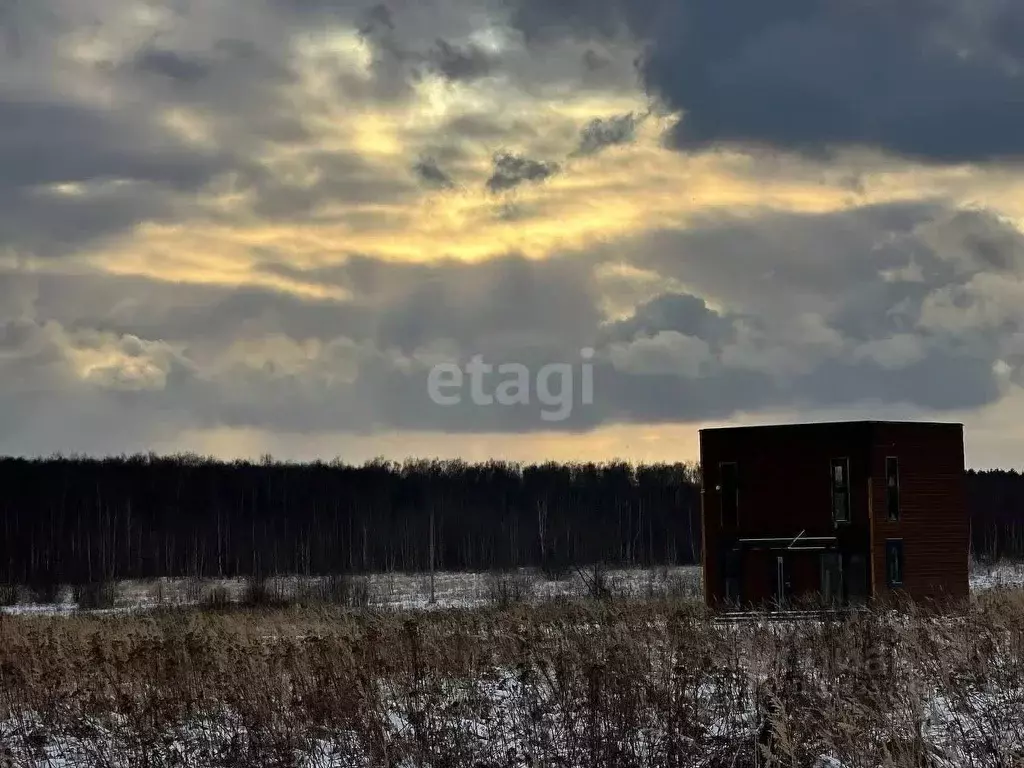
784 488
933 520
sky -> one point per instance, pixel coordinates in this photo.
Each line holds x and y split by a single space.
240 227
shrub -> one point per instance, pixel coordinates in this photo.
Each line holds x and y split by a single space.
95 595
8 595
158 592
505 589
218 598
44 591
555 568
193 590
597 583
683 586
261 593
336 589
359 592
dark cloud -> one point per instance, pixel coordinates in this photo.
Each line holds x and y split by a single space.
594 61
677 312
428 171
49 223
498 308
931 80
511 170
377 18
543 23
75 173
601 133
342 177
991 242
170 64
461 62
56 143
487 128
791 259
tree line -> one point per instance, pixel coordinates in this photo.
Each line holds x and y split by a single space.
83 520
76 520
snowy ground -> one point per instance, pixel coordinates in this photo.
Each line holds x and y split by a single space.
519 716
505 714
998 575
403 591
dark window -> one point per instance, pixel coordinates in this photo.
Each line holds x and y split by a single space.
783 581
729 493
732 576
894 562
841 490
832 578
857 579
892 487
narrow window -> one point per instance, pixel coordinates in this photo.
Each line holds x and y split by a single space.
832 578
732 576
894 562
892 487
783 584
730 494
857 579
841 490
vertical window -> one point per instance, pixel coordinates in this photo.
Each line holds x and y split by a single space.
729 493
857 579
894 562
732 576
841 490
892 487
783 584
832 578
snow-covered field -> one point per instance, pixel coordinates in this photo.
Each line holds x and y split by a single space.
999 575
624 683
562 683
402 591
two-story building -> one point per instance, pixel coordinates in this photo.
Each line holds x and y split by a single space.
844 511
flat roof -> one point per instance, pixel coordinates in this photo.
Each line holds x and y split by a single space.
822 424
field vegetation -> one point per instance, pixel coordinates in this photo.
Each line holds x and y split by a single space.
586 681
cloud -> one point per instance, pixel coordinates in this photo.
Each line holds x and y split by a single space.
167 354
666 353
221 218
378 17
431 174
461 62
75 174
170 64
935 81
600 133
511 170
44 143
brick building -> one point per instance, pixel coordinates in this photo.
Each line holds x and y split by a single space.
846 511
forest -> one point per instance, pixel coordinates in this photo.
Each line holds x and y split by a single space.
82 520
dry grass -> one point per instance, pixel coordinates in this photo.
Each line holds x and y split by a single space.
562 683
382 590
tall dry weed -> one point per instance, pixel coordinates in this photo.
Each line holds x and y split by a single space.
597 683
